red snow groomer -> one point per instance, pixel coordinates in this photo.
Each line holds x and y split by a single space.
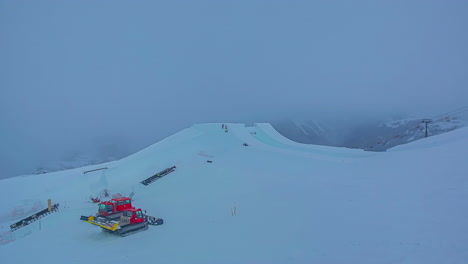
119 217
114 208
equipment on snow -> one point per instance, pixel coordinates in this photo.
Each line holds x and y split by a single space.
158 176
32 218
114 208
119 217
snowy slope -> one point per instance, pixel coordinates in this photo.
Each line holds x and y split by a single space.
318 132
295 203
370 135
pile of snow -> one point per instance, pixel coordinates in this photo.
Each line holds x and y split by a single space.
273 201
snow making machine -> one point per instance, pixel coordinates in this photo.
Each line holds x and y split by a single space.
122 221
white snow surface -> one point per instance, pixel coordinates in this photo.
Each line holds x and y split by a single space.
399 123
295 203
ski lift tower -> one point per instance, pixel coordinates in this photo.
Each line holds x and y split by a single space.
426 121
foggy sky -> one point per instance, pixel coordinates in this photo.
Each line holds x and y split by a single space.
75 74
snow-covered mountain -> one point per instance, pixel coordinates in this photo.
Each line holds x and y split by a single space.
294 203
394 133
91 155
344 132
370 135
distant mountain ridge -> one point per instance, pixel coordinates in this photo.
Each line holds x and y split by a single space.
370 136
81 158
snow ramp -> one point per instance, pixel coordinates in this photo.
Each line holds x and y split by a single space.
266 134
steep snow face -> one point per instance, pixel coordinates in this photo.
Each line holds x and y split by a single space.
293 203
313 132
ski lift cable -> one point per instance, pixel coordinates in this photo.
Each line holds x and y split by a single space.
462 109
452 114
441 118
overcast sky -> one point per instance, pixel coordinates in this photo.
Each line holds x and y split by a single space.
80 73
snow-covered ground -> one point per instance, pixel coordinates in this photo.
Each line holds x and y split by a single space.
371 135
295 203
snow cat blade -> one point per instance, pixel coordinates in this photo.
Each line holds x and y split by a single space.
102 222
